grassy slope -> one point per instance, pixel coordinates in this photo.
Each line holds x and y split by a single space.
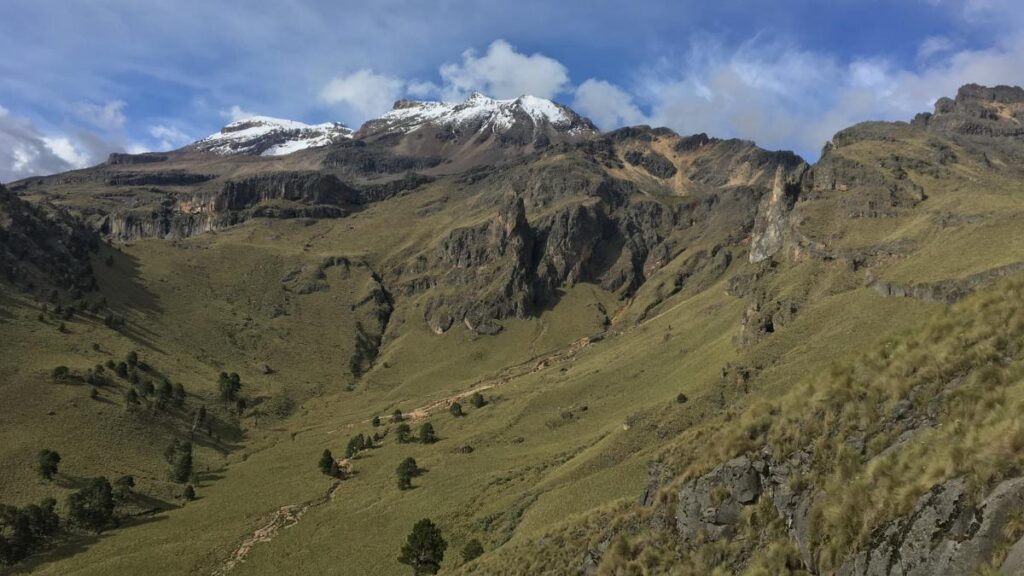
199 307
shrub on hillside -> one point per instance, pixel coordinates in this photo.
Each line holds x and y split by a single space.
61 373
48 461
473 550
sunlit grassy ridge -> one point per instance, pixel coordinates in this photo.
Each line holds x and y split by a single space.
962 370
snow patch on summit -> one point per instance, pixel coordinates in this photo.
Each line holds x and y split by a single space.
266 136
491 114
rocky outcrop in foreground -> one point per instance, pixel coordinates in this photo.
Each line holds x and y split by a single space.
943 535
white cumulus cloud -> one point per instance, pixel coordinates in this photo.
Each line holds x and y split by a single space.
783 96
67 151
364 92
28 150
608 105
503 72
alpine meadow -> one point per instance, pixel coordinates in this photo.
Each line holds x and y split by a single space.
529 289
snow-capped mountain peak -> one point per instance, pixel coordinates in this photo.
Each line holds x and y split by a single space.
481 114
267 136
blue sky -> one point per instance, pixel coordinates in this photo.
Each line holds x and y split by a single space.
82 78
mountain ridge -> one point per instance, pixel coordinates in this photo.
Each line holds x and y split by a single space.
692 353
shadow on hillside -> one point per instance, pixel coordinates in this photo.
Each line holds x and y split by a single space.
124 290
74 544
132 293
7 304
149 504
225 439
143 336
548 304
71 482
204 479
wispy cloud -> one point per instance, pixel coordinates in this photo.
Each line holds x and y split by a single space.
108 116
169 137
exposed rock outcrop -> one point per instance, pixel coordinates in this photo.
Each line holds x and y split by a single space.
771 227
946 291
943 536
490 265
272 195
116 159
654 163
168 178
978 111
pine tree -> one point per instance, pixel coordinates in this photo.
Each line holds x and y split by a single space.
123 488
427 435
456 409
92 507
328 465
407 470
396 416
355 445
477 400
424 549
48 461
402 432
179 395
229 386
131 398
375 422
179 456
25 530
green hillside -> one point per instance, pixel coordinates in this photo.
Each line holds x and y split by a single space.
692 356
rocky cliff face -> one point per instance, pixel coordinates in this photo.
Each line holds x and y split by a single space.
582 219
43 248
271 195
978 111
944 534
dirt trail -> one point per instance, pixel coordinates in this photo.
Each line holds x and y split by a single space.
284 517
504 376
